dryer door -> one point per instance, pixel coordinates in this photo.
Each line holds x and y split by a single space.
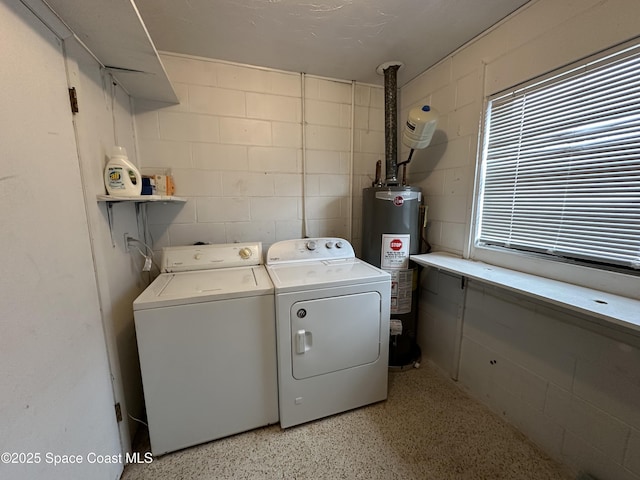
334 333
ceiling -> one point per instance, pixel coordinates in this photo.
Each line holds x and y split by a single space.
345 39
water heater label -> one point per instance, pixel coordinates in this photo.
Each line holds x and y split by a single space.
401 291
395 327
395 251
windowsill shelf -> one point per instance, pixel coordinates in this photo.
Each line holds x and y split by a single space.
142 199
613 309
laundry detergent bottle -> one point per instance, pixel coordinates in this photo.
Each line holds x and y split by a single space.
121 177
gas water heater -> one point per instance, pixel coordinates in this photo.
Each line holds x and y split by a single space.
391 222
390 233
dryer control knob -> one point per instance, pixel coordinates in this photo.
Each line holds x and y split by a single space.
339 245
311 245
245 253
197 256
329 245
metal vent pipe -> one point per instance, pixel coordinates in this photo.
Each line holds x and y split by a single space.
390 70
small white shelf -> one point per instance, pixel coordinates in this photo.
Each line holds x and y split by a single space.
140 202
142 199
612 309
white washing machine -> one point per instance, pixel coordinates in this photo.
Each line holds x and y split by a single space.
207 346
332 323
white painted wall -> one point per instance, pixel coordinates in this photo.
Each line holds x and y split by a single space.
542 36
118 272
569 385
234 146
56 390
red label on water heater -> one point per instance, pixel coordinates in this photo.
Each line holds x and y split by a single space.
394 253
398 201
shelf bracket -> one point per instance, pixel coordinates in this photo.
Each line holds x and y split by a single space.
140 203
110 220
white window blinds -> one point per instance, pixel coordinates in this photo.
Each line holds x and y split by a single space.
561 170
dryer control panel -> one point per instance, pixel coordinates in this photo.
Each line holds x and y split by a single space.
304 249
205 257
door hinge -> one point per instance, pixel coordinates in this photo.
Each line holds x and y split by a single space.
118 412
73 100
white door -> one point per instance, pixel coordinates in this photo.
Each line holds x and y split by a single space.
334 333
53 363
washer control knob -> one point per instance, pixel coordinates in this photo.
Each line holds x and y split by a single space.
311 245
197 256
339 245
245 253
329 245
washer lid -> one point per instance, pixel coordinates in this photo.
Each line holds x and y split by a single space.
288 277
182 288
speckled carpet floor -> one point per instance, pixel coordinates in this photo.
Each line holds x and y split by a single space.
428 429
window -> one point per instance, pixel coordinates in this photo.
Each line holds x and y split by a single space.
561 164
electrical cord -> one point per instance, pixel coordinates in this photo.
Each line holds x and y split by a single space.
134 239
148 258
138 420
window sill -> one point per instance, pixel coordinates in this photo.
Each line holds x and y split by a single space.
613 309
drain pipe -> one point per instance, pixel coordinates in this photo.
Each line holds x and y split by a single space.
351 154
305 225
389 70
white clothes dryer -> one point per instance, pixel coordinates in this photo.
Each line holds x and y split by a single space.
332 324
206 341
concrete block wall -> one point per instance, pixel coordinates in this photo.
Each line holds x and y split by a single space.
440 310
541 36
569 384
234 147
369 148
446 168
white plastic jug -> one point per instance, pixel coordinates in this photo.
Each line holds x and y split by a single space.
121 177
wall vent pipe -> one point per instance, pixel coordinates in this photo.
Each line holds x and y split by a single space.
390 70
